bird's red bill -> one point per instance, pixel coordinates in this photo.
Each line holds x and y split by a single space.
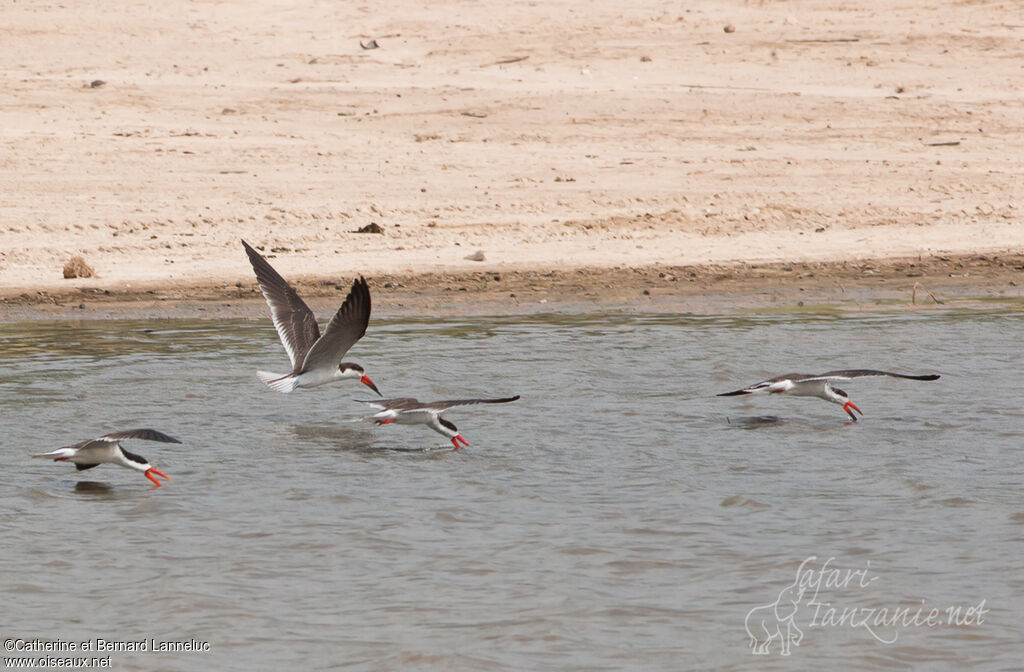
456 439
154 470
365 380
848 405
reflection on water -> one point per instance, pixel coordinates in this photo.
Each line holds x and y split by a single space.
93 488
755 421
611 519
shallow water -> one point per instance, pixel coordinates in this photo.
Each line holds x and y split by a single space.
619 516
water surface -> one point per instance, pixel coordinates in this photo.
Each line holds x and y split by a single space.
619 516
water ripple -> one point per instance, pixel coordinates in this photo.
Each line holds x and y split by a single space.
613 518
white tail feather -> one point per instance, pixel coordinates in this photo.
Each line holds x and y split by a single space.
60 452
277 382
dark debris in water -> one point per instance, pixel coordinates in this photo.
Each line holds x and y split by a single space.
740 500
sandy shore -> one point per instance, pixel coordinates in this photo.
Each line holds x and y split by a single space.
587 152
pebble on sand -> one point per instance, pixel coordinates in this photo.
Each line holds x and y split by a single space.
77 268
476 256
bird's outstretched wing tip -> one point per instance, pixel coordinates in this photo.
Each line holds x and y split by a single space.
361 286
143 434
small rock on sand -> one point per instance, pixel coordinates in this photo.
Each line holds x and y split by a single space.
372 227
77 268
476 256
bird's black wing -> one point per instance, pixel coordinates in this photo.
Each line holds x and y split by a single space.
295 323
850 374
441 405
144 434
346 327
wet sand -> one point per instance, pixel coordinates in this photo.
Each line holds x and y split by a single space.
899 284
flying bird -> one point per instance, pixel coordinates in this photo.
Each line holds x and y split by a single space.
807 385
409 411
107 450
315 357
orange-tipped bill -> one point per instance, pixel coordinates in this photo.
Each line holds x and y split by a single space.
847 406
365 380
154 470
